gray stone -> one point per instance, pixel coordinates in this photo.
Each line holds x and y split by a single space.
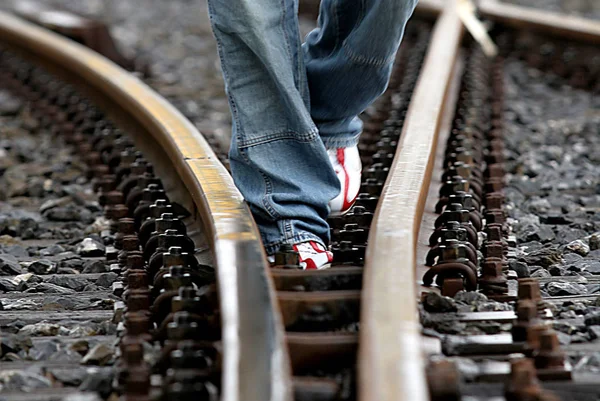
81 346
566 235
531 246
537 205
90 248
14 343
578 307
66 355
580 338
43 351
541 273
9 104
40 329
434 302
100 354
594 332
94 266
28 278
544 257
8 284
595 255
9 266
91 287
519 267
68 213
50 288
590 363
470 297
42 266
555 289
570 258
546 233
75 264
17 251
52 250
72 378
592 319
542 233
99 381
69 281
579 247
526 220
67 270
23 380
54 203
58 303
83 331
564 327
450 327
64 255
557 270
567 315
493 306
592 266
563 339
105 280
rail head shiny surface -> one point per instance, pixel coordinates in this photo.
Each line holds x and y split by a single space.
391 366
256 364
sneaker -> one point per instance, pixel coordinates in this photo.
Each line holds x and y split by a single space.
313 255
347 166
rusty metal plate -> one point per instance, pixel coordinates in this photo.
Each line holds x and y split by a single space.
334 279
321 351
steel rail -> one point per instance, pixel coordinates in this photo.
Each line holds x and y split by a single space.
431 8
255 359
391 366
553 23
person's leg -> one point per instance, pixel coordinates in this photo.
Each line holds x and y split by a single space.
349 59
277 158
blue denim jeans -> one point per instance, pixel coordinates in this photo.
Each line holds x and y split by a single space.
292 101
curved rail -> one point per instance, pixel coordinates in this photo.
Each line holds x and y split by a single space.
255 361
390 361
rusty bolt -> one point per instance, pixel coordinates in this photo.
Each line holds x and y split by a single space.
494 232
287 256
526 316
549 354
523 384
137 280
493 249
131 243
135 261
138 300
443 378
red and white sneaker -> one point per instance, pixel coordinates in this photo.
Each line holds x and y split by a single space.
313 255
348 168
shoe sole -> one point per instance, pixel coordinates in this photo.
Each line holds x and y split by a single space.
340 214
324 267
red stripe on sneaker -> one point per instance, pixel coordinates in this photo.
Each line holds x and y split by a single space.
310 264
341 158
315 247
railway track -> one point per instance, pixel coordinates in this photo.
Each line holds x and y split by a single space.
505 327
194 311
172 233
